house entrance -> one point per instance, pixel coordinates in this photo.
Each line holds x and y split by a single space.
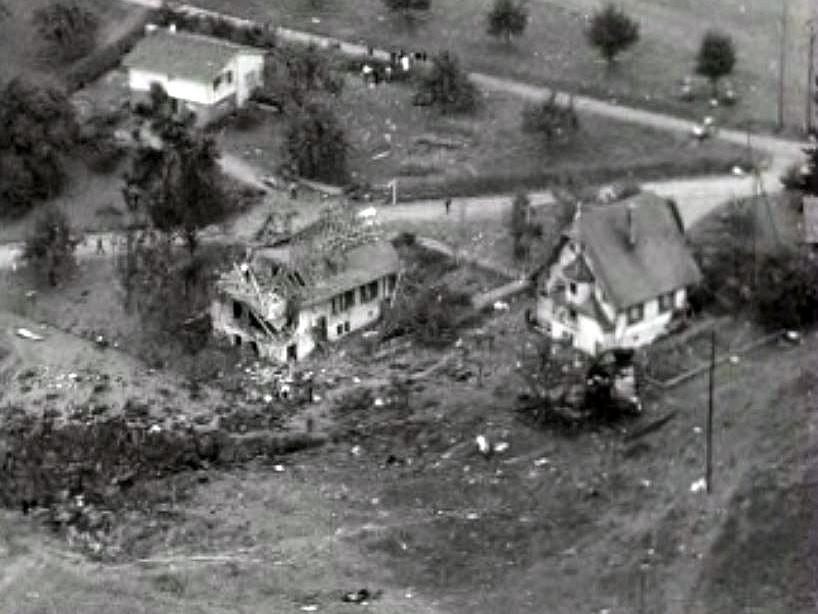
292 352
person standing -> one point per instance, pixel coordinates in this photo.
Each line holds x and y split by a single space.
448 204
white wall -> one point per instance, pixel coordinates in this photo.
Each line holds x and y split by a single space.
249 71
183 89
359 316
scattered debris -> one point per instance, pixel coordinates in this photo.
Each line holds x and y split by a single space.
501 447
501 306
361 596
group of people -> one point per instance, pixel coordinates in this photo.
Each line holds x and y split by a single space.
399 62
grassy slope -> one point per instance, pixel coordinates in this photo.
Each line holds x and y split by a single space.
19 46
554 51
334 521
495 147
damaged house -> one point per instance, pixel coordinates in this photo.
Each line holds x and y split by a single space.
285 301
619 277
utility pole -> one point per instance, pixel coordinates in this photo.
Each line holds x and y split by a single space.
782 61
811 93
709 437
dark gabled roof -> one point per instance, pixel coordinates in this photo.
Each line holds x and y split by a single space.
811 219
660 260
183 55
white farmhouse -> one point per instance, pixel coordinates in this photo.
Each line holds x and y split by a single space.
619 276
282 308
205 75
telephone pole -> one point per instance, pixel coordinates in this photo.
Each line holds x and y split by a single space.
782 62
811 93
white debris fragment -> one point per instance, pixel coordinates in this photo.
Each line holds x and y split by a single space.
278 468
355 451
155 429
482 444
27 334
379 402
697 430
541 461
734 360
501 446
501 306
268 398
699 485
472 516
309 608
645 483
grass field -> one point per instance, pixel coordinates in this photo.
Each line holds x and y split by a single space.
487 152
553 51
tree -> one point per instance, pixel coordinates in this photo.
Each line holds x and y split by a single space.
550 119
38 128
716 59
68 28
518 223
507 18
408 8
446 86
50 246
786 294
315 145
612 31
177 186
292 75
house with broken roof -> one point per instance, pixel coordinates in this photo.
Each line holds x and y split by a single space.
284 301
207 76
618 277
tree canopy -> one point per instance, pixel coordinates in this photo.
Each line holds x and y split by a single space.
446 86
177 185
38 128
716 58
294 74
550 118
50 246
612 31
68 28
507 18
316 145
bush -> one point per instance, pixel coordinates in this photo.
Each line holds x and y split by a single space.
211 25
507 18
315 145
50 247
446 86
550 119
68 29
787 294
431 315
92 67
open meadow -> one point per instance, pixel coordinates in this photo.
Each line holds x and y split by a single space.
553 50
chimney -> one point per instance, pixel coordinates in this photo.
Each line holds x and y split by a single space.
172 28
631 225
